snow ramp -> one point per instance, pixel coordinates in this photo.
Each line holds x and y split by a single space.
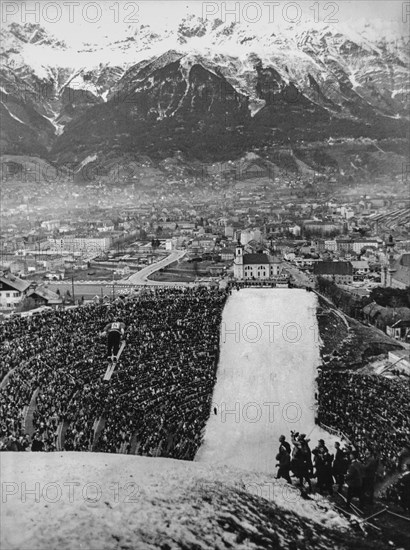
269 354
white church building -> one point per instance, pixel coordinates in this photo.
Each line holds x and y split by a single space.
255 266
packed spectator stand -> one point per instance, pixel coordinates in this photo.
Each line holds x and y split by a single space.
158 399
373 411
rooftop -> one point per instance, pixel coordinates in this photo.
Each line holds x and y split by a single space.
254 259
333 268
15 282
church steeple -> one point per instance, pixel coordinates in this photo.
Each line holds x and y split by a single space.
389 268
390 244
238 267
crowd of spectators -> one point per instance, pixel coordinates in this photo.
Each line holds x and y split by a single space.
371 410
166 389
330 468
158 398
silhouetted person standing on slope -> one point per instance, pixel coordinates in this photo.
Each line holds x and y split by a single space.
283 457
354 479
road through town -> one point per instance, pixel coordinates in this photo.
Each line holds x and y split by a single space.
141 278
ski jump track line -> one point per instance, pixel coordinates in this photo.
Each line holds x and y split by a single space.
28 420
334 308
5 380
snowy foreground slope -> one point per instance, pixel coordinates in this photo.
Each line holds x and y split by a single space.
266 377
134 502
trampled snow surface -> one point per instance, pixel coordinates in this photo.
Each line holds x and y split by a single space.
265 386
95 501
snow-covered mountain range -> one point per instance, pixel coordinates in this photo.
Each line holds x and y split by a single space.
210 89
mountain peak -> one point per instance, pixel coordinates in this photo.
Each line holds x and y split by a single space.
33 33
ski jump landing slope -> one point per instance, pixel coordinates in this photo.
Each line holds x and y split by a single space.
269 354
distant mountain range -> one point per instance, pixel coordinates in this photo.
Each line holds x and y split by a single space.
206 91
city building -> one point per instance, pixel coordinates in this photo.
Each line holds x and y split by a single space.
358 245
360 267
346 212
255 266
331 245
50 225
217 269
43 296
320 227
86 245
227 254
12 291
344 244
339 272
400 330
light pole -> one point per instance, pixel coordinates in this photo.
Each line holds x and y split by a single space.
72 288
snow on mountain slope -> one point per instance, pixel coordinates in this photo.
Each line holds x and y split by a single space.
332 77
293 49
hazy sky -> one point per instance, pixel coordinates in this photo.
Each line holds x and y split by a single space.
88 21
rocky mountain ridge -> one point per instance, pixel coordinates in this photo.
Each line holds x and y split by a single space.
207 90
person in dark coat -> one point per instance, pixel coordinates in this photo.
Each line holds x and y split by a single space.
339 467
12 444
323 465
26 443
404 489
283 457
371 466
301 463
321 447
307 453
37 444
327 471
284 444
354 479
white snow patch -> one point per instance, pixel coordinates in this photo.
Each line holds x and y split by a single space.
255 105
11 114
87 160
59 128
